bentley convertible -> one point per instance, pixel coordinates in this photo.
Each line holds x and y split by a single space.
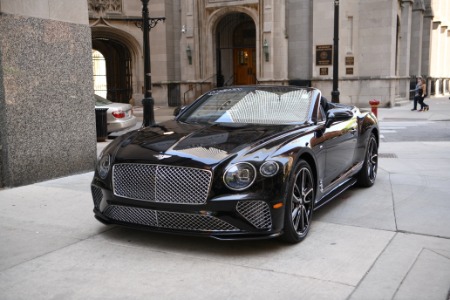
244 162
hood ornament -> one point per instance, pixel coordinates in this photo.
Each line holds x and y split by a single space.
162 156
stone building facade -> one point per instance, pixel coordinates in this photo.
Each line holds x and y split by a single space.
47 116
383 46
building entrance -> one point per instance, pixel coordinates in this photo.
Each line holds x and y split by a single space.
118 69
244 66
236 50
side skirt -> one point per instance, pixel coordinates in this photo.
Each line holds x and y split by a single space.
335 192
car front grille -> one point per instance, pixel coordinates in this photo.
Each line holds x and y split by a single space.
256 212
169 220
160 183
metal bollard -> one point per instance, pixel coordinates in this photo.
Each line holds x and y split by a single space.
374 105
101 124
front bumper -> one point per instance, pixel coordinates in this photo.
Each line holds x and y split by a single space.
221 218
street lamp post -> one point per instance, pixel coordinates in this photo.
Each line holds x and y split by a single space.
148 102
335 93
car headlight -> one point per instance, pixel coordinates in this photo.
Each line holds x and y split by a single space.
103 166
269 169
240 176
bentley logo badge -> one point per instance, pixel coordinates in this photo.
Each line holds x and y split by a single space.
162 156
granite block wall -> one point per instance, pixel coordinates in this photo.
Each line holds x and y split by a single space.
47 115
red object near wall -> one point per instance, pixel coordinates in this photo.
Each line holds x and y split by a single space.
374 105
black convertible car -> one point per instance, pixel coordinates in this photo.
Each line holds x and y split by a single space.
238 163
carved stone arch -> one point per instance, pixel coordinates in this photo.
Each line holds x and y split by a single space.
213 22
119 35
217 15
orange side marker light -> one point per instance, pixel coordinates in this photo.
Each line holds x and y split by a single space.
278 205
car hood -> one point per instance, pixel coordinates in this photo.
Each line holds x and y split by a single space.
177 143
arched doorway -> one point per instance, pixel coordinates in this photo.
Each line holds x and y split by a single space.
118 68
236 50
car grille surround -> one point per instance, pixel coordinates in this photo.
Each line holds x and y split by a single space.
161 183
256 212
167 219
97 195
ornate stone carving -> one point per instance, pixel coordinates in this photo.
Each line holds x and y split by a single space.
103 7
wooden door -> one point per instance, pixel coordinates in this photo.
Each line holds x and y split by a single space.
244 66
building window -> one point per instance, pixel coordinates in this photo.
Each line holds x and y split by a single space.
99 70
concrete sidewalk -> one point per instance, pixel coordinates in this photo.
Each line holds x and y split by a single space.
391 241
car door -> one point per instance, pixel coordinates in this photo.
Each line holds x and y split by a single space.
340 143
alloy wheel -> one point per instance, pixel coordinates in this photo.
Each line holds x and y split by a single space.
372 160
302 201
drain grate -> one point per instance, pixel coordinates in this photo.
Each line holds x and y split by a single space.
387 155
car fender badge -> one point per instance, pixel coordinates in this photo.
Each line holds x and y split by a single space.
162 156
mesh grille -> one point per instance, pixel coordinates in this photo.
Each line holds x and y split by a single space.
165 219
132 215
165 184
256 212
97 195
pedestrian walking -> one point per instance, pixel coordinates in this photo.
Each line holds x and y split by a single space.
419 94
416 92
423 94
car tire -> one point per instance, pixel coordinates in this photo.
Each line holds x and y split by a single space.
299 204
367 175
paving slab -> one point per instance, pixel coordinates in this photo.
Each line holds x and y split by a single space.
363 207
429 264
411 267
334 253
131 264
59 207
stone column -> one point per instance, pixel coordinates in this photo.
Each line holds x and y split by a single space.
426 40
47 113
405 38
416 39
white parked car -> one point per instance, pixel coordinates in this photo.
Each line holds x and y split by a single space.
119 116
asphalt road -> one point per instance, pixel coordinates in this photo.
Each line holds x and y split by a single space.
415 130
400 124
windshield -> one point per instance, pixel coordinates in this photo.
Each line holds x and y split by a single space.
99 101
261 105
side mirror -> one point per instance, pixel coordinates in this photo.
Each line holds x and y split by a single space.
178 110
338 115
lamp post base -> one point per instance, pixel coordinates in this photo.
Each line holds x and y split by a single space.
335 96
149 113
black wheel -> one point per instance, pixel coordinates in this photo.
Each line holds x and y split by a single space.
366 177
299 204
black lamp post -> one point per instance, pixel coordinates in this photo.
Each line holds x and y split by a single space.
335 93
148 102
